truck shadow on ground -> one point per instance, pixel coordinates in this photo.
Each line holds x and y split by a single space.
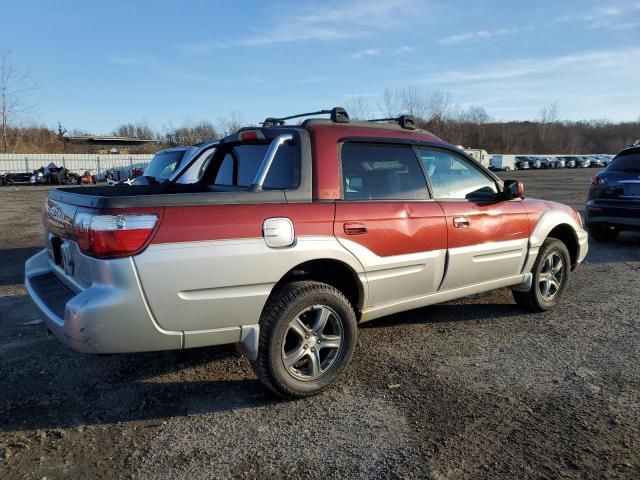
59 388
445 313
54 387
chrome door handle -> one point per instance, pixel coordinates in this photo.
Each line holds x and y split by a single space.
355 228
460 222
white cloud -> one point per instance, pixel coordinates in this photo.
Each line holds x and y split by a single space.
338 20
369 52
606 16
591 61
325 22
588 84
480 34
375 52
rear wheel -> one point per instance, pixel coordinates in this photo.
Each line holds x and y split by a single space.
307 338
603 233
551 272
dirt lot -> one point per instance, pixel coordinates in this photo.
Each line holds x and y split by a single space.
485 390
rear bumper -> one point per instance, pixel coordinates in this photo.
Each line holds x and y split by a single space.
110 316
625 215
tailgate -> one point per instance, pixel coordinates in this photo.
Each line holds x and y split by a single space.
68 263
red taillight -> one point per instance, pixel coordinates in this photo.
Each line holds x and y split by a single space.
598 180
250 135
113 235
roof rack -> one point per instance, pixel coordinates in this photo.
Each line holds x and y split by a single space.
405 121
636 143
337 114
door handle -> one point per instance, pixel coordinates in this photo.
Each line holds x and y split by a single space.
355 228
460 222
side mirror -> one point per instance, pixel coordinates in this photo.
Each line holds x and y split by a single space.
513 189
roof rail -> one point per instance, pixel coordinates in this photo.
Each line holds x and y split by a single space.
405 121
636 143
337 114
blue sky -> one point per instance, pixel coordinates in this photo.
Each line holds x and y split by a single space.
95 64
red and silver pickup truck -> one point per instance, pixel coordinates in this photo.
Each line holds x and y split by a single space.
291 237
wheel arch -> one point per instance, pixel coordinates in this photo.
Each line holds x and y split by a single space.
557 224
567 235
333 272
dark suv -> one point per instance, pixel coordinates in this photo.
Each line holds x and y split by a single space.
614 196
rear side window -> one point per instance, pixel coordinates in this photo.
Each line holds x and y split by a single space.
453 176
240 166
381 172
629 162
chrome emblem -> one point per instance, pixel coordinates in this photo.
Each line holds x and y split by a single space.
55 212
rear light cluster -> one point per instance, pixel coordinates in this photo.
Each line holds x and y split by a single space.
111 236
250 135
598 180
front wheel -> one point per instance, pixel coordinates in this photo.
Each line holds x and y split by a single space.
551 272
308 334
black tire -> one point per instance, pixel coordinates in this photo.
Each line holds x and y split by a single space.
603 233
535 299
288 303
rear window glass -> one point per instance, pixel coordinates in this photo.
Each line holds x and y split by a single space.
627 162
240 166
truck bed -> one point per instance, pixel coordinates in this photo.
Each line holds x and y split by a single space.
124 196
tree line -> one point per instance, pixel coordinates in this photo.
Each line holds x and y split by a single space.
473 127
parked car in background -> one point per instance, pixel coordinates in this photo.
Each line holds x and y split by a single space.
601 160
522 163
534 162
583 162
561 163
614 197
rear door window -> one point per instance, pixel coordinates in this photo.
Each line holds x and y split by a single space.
381 172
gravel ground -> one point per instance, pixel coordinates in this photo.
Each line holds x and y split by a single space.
469 389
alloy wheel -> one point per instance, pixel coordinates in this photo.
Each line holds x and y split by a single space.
551 276
312 342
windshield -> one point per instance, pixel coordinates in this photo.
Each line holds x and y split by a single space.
163 164
629 162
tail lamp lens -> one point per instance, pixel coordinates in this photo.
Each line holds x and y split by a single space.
113 235
250 135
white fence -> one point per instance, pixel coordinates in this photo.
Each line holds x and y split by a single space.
78 163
